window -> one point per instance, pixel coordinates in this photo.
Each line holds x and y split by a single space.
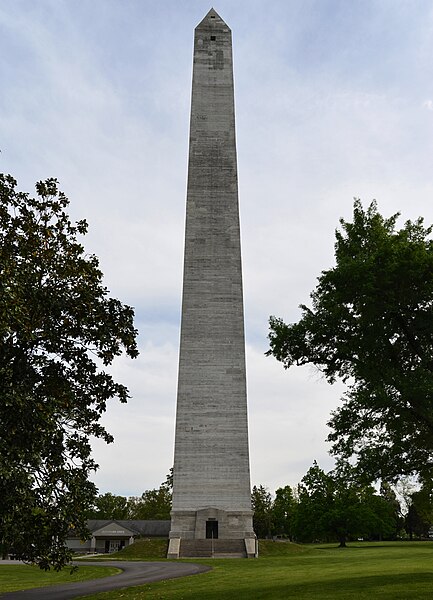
212 38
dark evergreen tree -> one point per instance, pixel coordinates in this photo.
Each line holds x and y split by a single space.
261 501
283 509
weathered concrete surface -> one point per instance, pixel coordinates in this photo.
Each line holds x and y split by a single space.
211 463
133 573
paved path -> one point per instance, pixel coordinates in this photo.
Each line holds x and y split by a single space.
133 573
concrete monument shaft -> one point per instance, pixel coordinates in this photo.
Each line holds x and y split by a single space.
211 460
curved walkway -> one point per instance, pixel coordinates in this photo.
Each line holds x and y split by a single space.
133 573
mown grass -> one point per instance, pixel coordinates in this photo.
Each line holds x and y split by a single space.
22 577
156 549
397 571
145 549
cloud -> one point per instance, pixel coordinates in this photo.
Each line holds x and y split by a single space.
327 108
288 411
143 428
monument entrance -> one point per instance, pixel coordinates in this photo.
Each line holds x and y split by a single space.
212 530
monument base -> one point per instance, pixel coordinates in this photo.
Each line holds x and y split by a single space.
212 524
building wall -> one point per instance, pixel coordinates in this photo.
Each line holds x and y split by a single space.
107 536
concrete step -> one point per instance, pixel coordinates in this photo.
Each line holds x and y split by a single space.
212 548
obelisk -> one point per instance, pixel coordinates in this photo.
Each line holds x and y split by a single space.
211 483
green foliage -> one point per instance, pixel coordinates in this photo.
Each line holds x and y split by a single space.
388 494
314 502
384 523
371 324
283 510
336 506
419 517
110 506
152 505
57 326
169 479
261 501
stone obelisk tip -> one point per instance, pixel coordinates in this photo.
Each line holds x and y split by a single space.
212 19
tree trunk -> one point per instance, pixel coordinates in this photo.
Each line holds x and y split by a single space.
342 542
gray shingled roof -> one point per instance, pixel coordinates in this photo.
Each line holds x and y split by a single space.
150 528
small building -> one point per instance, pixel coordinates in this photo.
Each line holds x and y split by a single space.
110 536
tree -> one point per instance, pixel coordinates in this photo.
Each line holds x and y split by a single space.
261 501
315 497
152 505
389 496
169 479
381 518
283 508
371 324
338 506
59 330
110 506
419 517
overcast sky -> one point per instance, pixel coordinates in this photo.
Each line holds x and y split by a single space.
334 99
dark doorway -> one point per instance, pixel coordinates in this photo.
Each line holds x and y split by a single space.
212 530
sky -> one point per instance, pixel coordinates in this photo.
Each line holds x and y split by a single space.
334 100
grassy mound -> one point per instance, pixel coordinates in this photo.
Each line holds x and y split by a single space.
280 548
156 549
143 549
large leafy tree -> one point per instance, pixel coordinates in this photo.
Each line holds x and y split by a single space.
109 506
337 506
152 505
371 324
59 329
315 497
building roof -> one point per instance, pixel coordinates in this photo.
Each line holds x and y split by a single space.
138 527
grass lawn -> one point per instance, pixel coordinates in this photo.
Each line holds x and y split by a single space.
22 577
145 549
400 570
